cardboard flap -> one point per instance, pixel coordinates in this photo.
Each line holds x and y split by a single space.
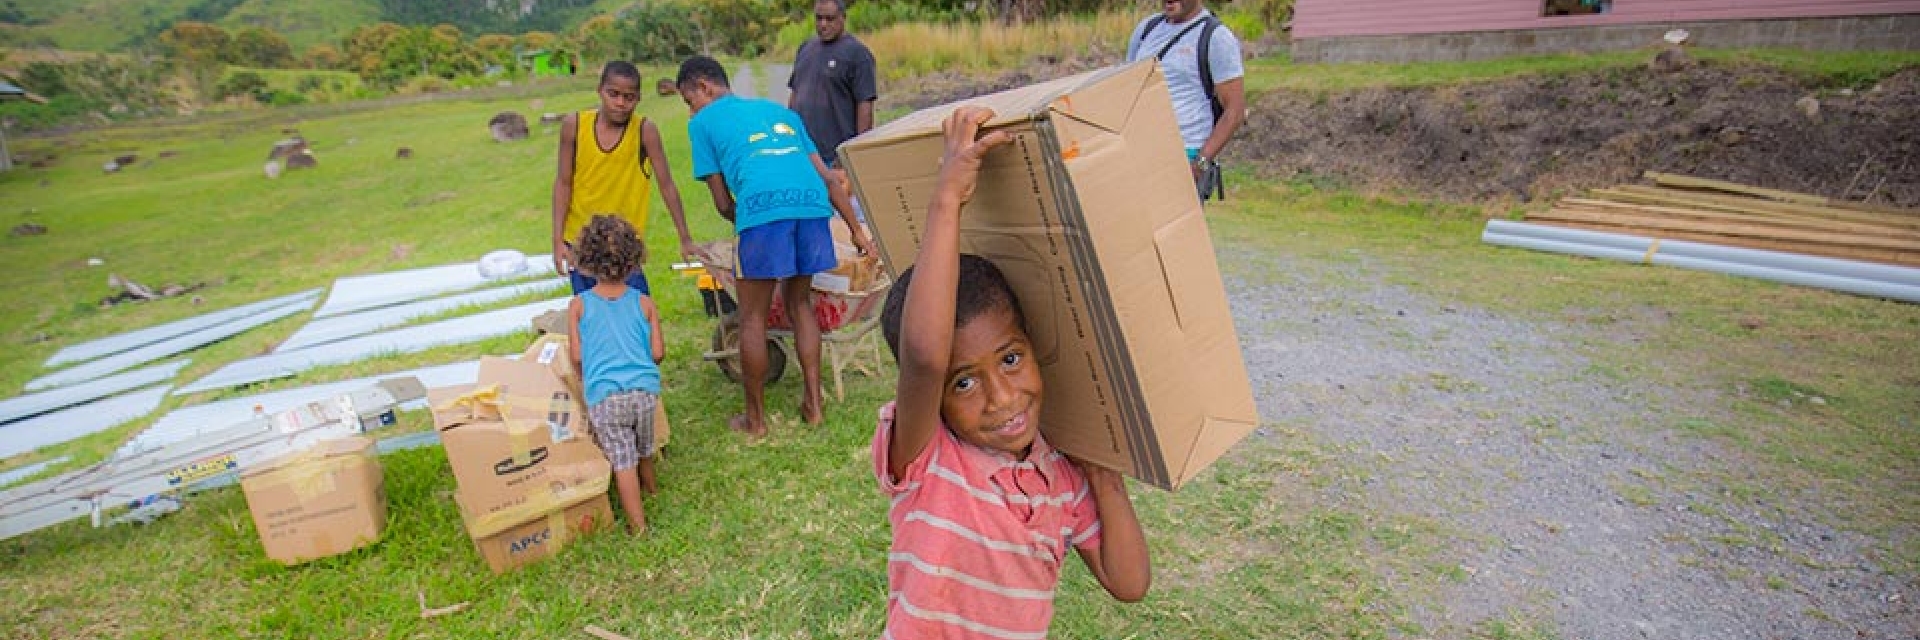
1108 105
341 449
1216 437
477 404
1177 246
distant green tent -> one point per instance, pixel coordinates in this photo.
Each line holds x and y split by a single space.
543 63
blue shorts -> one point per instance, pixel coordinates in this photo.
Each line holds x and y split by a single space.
785 248
582 282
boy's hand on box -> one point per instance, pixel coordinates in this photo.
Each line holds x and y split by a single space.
960 165
862 243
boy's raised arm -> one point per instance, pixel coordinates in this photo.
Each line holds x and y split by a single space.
1121 562
926 334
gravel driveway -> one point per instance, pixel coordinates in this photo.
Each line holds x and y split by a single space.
1574 504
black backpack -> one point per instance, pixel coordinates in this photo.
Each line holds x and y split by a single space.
1207 25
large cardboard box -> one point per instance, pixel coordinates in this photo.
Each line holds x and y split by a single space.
321 502
551 350
1092 214
518 445
544 535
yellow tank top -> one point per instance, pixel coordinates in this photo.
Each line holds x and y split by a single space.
618 181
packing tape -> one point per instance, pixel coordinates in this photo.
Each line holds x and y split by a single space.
520 440
482 403
311 473
536 506
490 404
557 522
314 477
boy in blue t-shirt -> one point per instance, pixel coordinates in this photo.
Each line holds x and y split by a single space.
616 346
768 179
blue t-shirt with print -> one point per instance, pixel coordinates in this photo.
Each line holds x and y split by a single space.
766 156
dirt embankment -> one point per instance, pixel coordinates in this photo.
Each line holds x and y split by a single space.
1538 137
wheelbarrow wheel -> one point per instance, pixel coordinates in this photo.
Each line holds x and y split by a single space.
726 337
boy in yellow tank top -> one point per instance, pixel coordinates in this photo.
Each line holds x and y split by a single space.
605 161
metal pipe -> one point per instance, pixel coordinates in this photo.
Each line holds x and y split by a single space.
1757 257
1875 288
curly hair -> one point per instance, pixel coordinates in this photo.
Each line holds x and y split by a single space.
608 248
983 288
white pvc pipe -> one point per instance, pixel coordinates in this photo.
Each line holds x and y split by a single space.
1855 269
1874 288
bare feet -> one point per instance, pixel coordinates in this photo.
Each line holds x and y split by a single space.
741 424
811 412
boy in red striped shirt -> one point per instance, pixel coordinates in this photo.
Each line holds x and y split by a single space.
984 510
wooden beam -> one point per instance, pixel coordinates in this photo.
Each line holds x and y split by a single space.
1851 247
1730 229
1761 207
1690 182
1868 255
1803 223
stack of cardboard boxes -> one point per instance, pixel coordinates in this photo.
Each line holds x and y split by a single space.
529 477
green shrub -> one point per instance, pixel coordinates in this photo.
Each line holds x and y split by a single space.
659 32
285 98
247 83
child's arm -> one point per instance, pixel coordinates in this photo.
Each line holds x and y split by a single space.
1121 562
663 175
573 334
563 193
842 203
926 340
722 197
657 344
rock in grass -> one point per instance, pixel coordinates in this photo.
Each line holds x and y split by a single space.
508 126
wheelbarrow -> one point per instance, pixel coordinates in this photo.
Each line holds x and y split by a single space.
847 319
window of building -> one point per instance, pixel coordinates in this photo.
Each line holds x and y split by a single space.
1555 8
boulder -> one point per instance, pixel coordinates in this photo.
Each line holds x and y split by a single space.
287 147
508 126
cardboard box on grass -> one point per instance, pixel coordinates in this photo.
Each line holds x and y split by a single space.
551 350
321 502
518 445
1092 214
544 535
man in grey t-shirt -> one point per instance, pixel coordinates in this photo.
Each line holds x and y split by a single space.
1174 36
833 86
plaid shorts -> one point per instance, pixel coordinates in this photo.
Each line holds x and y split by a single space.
623 423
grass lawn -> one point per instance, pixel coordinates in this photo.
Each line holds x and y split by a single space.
783 538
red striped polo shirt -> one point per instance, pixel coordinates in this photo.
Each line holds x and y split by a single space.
979 537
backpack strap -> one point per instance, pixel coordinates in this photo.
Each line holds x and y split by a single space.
1206 66
1152 23
1176 38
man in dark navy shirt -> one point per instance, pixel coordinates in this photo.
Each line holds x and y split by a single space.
833 85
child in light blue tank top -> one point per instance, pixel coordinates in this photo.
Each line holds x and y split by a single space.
616 346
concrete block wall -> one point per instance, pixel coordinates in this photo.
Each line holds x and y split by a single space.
1863 33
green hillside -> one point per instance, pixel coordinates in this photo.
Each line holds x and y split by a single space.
108 25
304 23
